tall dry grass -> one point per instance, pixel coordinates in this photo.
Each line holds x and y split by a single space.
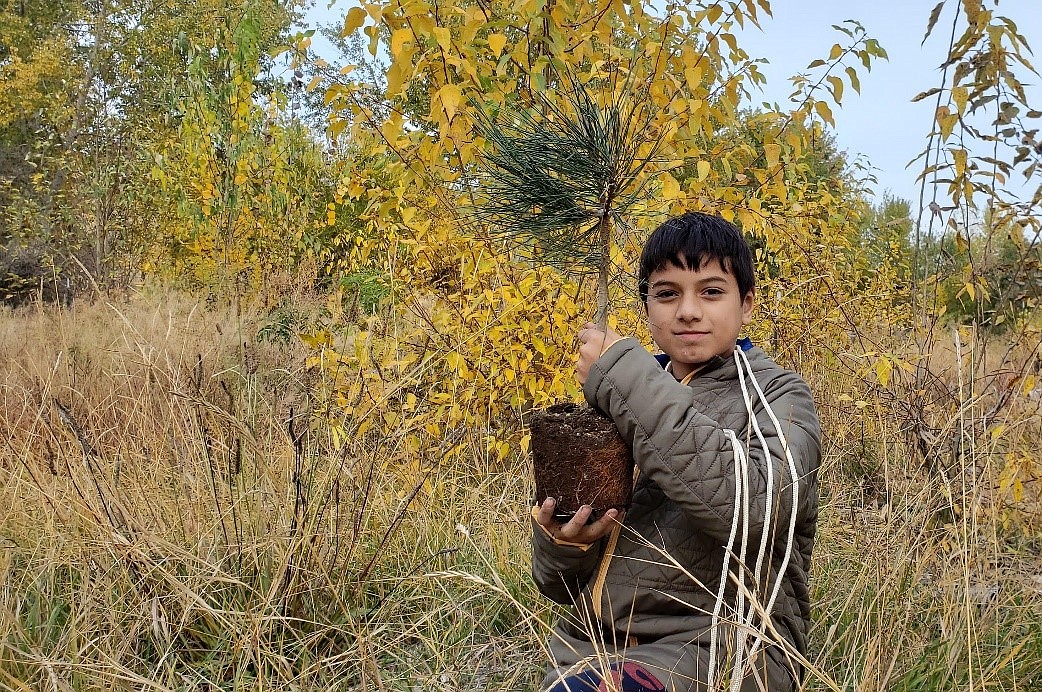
173 518
173 515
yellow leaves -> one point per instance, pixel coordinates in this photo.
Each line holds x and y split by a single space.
397 74
443 36
318 339
824 112
1017 467
353 21
399 37
772 152
836 87
670 188
458 363
449 95
959 158
959 95
884 368
946 121
702 169
975 13
496 43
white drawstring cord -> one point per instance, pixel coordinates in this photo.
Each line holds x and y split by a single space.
739 458
770 466
741 616
793 475
742 482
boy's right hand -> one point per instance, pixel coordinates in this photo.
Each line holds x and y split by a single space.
576 530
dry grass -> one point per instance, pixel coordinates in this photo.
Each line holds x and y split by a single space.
173 516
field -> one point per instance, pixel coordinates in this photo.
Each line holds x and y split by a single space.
276 303
174 514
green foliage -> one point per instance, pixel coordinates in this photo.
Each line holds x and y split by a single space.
364 290
989 276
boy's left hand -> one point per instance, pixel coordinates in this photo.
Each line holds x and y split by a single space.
593 343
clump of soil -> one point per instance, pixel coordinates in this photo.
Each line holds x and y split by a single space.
578 458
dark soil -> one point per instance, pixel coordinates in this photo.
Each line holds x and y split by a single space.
580 458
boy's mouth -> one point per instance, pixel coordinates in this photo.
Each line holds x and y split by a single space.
691 335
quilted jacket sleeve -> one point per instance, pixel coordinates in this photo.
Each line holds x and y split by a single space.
561 571
688 454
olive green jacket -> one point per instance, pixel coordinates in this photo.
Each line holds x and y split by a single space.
661 583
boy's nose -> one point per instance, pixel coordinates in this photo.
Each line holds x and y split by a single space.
689 309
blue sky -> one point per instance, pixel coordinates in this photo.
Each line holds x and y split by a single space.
881 124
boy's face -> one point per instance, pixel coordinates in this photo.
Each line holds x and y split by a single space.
696 314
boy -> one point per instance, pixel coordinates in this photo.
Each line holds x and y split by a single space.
703 581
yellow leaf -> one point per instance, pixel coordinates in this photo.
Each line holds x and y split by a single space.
395 78
960 161
354 20
773 153
319 339
398 39
883 370
496 42
837 88
443 36
959 95
824 112
946 120
1029 384
997 431
450 96
702 168
670 187
693 77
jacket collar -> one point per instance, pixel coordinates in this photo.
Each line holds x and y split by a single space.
717 367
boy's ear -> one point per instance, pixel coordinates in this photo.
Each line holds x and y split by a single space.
747 306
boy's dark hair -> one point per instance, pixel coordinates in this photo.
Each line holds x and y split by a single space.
691 240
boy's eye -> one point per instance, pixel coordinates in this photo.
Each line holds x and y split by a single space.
714 292
663 295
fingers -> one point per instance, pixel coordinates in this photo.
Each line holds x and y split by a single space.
546 513
607 521
590 331
575 526
576 529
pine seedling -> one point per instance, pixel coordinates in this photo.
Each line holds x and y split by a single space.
559 179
